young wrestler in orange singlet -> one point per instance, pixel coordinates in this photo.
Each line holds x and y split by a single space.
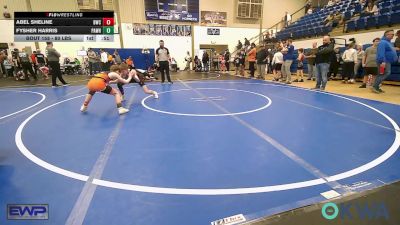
100 83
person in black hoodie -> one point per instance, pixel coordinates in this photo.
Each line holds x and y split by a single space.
322 61
205 59
335 64
227 57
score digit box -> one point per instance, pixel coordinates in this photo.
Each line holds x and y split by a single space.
108 30
108 21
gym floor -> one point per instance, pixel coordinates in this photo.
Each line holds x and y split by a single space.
210 147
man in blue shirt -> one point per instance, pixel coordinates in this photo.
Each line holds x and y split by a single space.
386 55
288 60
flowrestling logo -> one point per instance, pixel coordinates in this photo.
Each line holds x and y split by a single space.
355 211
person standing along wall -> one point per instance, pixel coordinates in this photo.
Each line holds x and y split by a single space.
310 56
369 63
103 60
227 59
252 59
322 61
358 64
117 57
288 60
262 56
188 60
26 63
349 59
3 57
205 59
92 60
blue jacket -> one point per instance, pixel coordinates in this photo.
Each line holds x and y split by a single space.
289 54
386 52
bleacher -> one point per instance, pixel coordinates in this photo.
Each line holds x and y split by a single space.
313 25
389 14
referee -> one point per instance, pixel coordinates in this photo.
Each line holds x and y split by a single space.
53 58
162 59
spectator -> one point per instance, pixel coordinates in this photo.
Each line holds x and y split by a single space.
222 63
330 3
239 45
205 59
188 60
267 38
129 62
215 61
338 19
397 41
77 62
277 62
310 11
3 57
26 63
110 60
329 20
322 60
252 59
174 65
34 64
334 19
92 60
300 66
53 58
371 9
236 61
363 3
242 60
8 66
270 53
86 66
227 57
386 55
41 62
6 13
287 19
369 63
262 57
117 57
358 64
335 63
310 56
197 64
103 60
246 43
308 6
288 60
349 59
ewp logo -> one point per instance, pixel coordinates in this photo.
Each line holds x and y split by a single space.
28 212
358 211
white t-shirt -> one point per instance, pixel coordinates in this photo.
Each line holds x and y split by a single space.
288 17
104 57
278 58
350 55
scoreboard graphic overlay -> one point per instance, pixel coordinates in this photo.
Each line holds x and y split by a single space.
64 26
